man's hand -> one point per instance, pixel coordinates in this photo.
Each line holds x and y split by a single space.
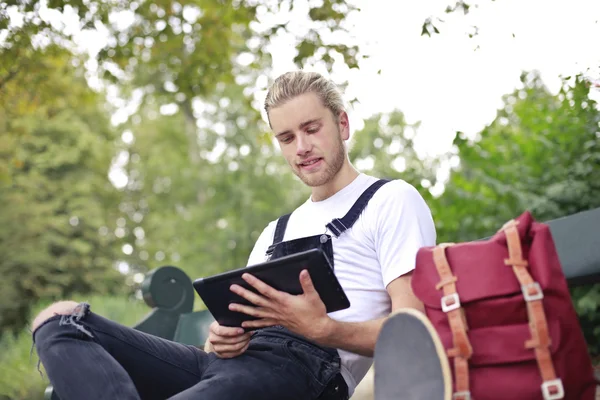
303 314
227 342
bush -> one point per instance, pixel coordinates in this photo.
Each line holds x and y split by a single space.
19 377
587 303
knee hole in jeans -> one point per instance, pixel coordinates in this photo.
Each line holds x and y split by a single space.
70 313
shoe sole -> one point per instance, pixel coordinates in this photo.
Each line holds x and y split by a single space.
410 361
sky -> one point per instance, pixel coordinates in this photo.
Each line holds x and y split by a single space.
451 82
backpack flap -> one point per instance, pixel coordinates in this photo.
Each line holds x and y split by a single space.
479 267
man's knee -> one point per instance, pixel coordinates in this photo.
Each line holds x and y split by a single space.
58 308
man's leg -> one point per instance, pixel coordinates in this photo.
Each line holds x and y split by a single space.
272 368
88 356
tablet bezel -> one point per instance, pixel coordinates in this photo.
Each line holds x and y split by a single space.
282 274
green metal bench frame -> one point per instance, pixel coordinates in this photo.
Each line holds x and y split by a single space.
169 292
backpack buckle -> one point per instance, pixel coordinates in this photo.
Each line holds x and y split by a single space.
537 295
450 302
465 395
553 390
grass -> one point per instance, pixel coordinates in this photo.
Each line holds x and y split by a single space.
19 377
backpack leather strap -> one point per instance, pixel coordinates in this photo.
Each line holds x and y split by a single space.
540 341
462 350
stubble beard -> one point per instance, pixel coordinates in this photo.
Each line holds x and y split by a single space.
331 170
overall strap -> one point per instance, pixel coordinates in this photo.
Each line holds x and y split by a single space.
280 229
337 226
279 232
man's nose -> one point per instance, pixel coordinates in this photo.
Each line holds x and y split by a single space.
303 145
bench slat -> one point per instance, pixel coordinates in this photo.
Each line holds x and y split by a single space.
577 240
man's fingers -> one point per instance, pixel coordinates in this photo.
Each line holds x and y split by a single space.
232 354
230 351
226 331
216 339
262 287
259 323
230 348
249 295
257 312
306 283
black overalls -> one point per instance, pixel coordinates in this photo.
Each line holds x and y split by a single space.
327 373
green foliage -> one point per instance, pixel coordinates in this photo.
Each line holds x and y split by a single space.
179 51
19 377
387 143
542 154
431 24
587 303
64 224
203 212
56 150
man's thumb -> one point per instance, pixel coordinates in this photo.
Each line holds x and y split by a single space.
306 283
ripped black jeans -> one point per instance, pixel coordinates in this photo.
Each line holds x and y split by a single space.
87 356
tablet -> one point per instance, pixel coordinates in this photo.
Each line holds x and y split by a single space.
282 274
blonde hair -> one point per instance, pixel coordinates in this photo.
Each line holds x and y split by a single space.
296 83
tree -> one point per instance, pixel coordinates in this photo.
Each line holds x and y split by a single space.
431 24
168 55
203 216
385 148
541 153
57 146
177 54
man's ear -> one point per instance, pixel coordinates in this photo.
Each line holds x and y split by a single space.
344 125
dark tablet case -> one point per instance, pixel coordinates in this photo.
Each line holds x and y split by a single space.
282 274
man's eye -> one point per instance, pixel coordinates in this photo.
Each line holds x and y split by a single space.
286 139
313 129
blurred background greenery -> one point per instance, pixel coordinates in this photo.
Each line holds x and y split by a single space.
189 176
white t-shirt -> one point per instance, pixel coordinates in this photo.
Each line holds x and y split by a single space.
381 246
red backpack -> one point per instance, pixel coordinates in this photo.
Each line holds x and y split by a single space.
503 311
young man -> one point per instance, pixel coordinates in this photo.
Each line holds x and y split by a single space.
299 351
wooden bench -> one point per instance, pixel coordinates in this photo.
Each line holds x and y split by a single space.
169 292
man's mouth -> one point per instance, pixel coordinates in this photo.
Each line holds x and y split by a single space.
309 163
306 163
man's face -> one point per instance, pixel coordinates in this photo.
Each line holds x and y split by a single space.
311 138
